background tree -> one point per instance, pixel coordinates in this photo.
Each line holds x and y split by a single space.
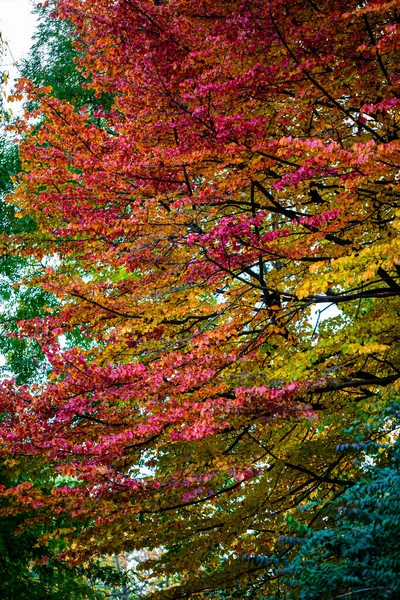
356 552
51 62
29 570
244 172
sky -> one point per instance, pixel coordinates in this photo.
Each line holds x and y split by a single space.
17 25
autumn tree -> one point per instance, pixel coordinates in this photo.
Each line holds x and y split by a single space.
243 174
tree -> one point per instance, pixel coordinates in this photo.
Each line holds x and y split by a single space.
357 552
51 60
245 172
23 357
33 571
28 569
52 57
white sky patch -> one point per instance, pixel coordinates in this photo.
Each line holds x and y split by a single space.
320 312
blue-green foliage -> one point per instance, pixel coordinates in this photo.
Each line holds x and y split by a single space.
355 551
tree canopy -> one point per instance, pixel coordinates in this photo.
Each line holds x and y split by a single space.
232 173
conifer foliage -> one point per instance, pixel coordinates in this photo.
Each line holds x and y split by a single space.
240 173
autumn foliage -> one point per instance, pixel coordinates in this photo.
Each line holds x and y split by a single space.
243 175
